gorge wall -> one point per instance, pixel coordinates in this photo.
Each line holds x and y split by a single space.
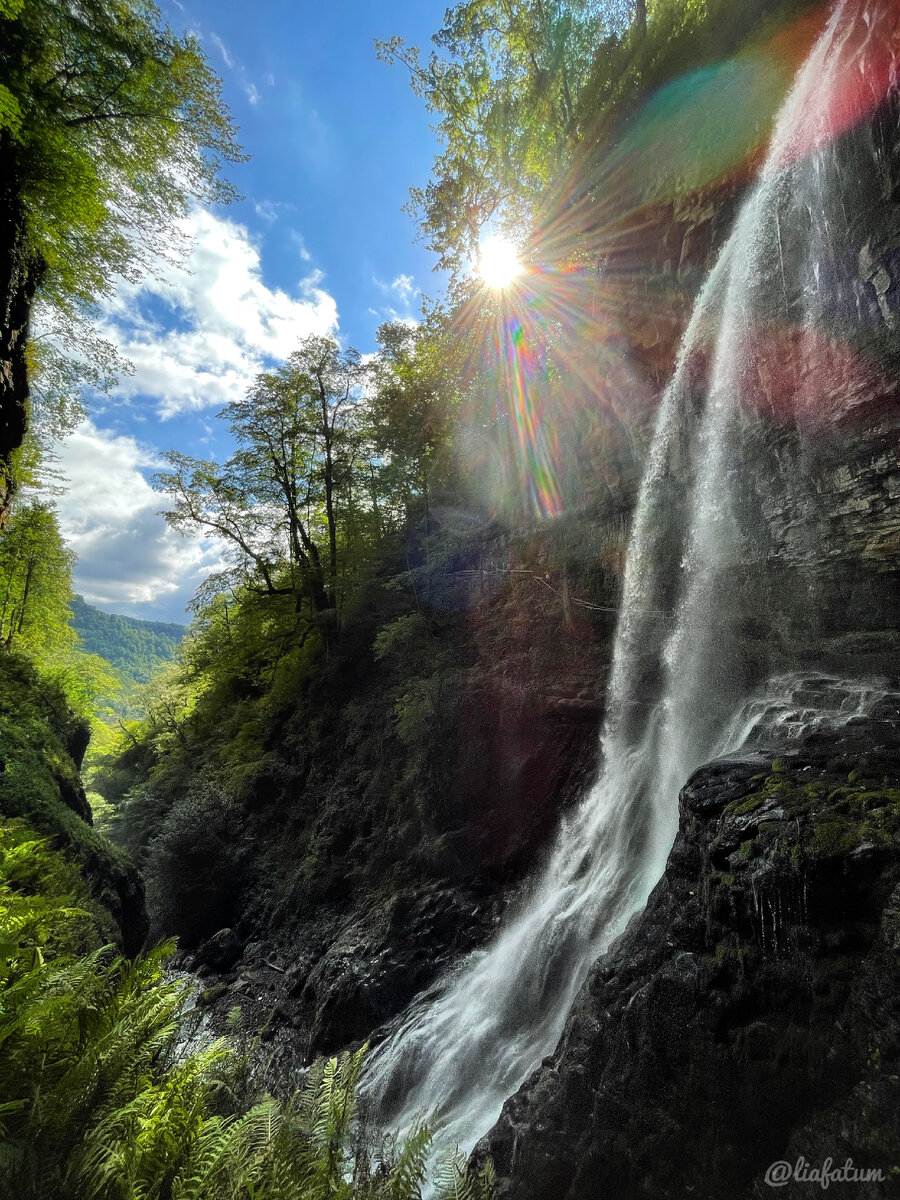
790 368
402 798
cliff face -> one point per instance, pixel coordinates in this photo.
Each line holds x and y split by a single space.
41 747
403 800
750 1014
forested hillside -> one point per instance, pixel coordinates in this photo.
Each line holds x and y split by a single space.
135 648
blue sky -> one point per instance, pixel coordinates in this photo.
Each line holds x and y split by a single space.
319 243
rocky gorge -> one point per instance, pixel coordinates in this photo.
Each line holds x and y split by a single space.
428 848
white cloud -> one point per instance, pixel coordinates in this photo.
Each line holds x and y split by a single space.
222 48
197 337
402 291
249 88
299 244
403 288
109 515
266 210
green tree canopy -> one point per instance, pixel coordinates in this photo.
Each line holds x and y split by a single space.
35 613
110 123
35 583
278 503
413 407
503 82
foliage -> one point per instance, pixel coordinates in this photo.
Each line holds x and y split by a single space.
35 582
504 83
135 648
120 121
529 95
39 783
413 408
193 864
100 1098
279 501
110 126
35 597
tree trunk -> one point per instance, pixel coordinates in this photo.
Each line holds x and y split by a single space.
640 16
20 274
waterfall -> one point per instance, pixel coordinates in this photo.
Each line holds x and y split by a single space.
694 648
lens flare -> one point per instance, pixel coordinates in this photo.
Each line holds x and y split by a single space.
568 356
498 262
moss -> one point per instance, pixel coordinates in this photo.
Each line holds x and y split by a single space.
724 954
749 849
39 783
868 642
790 794
740 808
211 994
832 837
856 816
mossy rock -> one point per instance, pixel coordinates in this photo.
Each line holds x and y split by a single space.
210 995
40 784
856 817
792 795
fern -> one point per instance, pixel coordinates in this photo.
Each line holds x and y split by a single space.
452 1177
97 1103
408 1172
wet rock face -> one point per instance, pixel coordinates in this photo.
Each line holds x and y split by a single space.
344 978
751 1013
380 961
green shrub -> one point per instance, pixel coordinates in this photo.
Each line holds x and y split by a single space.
100 1100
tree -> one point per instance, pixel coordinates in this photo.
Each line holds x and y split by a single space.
35 583
412 409
276 503
110 124
504 82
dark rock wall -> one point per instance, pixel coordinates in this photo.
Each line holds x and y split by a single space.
751 1013
362 877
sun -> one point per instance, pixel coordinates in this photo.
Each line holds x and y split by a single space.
498 262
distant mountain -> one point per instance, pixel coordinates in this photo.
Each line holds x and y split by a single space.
135 648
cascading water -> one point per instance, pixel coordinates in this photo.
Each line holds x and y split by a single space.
694 645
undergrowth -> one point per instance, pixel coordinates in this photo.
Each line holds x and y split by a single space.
101 1100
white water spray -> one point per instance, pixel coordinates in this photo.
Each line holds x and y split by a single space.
683 685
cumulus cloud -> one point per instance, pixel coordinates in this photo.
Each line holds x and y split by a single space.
197 337
402 289
127 556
